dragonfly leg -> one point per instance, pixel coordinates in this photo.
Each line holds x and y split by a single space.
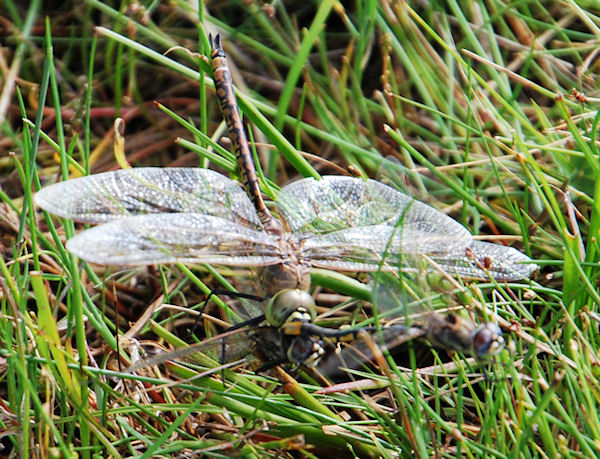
247 296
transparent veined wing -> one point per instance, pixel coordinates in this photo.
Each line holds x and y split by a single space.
349 224
146 190
483 259
169 238
337 202
230 346
264 344
369 248
366 248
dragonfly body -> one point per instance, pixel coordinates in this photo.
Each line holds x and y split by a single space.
291 272
452 332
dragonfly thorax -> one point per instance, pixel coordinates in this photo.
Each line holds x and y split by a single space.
290 274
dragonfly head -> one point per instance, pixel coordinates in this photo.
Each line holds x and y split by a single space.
276 347
305 350
487 340
290 305
452 332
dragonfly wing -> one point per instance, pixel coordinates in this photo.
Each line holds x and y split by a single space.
147 190
170 238
387 248
227 347
370 248
350 224
337 202
483 259
266 344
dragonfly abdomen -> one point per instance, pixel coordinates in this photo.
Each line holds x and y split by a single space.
233 118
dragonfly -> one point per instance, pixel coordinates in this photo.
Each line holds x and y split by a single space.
299 342
196 216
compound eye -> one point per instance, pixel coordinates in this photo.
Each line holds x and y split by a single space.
487 340
285 303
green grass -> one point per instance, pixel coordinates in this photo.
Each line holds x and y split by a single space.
468 107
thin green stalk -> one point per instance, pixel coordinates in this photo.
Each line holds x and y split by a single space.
77 303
